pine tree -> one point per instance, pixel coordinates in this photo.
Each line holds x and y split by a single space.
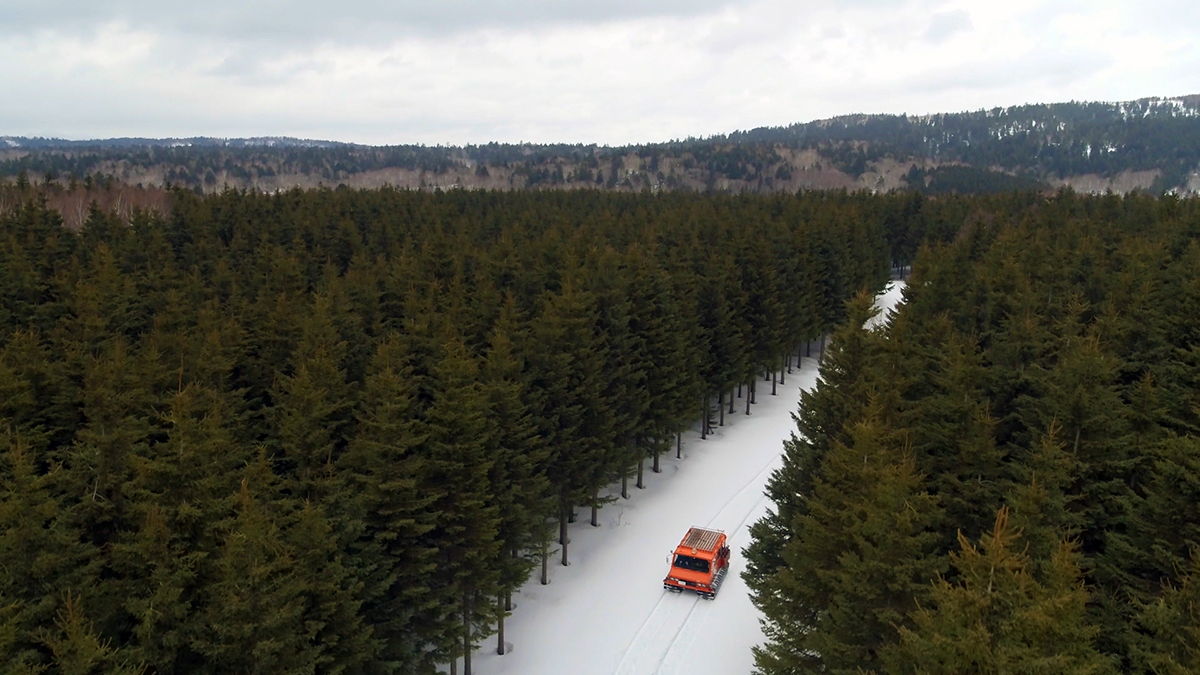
1169 643
313 406
826 413
76 649
856 563
520 490
386 510
467 521
1001 618
278 600
40 552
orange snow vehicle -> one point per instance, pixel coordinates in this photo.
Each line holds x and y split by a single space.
700 563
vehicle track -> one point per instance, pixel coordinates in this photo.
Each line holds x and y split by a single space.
758 482
658 622
689 626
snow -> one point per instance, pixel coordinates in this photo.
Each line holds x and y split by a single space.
607 612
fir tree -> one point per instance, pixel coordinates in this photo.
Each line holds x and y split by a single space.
826 412
278 600
386 512
520 490
467 522
40 553
857 562
1169 643
76 649
1000 617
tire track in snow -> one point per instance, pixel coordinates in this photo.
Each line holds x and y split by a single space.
684 637
756 482
670 662
692 623
665 615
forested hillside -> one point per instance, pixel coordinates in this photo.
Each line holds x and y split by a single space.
330 431
1150 145
1007 478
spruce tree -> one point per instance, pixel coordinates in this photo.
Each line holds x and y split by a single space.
856 562
386 510
180 492
825 414
1169 642
40 552
313 406
467 521
76 649
278 601
520 491
565 396
1001 617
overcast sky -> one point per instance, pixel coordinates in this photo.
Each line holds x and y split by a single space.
602 71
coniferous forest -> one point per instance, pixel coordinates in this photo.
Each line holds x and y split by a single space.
331 431
1006 479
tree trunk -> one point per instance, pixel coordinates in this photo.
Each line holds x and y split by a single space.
657 452
731 401
704 420
641 485
563 538
562 532
595 508
467 643
454 666
773 382
808 348
739 389
678 445
624 486
787 360
749 393
822 352
500 625
545 563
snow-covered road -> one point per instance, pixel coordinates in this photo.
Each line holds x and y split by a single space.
607 613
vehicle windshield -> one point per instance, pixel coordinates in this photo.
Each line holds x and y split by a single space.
687 562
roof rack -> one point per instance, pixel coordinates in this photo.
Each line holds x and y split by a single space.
701 539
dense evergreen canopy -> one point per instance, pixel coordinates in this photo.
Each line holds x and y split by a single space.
1037 393
332 431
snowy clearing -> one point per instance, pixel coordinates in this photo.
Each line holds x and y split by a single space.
607 613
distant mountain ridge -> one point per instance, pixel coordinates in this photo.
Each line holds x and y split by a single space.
195 141
1149 144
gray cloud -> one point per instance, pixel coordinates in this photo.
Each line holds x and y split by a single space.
350 21
944 25
474 71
